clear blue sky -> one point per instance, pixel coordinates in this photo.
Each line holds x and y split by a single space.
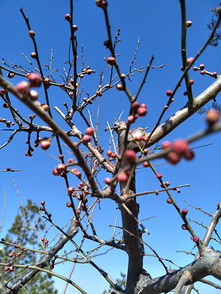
157 25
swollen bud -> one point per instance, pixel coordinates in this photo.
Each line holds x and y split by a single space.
180 146
90 131
70 190
142 111
196 239
119 87
188 23
108 152
111 60
68 204
33 95
135 105
172 157
169 93
11 75
33 55
169 201
107 181
212 116
159 176
86 139
45 144
67 17
101 3
34 79
130 156
122 177
23 87
75 28
184 212
31 34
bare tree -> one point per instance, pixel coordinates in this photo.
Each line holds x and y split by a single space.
133 147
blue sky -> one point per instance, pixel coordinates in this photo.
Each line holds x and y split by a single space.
157 25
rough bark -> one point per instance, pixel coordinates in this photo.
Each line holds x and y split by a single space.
131 232
209 263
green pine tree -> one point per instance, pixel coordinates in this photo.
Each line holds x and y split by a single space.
25 232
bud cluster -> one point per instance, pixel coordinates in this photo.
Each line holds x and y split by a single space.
179 149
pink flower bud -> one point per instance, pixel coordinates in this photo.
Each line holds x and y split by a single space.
34 79
212 116
23 87
130 156
45 144
188 23
67 17
122 177
31 34
180 146
142 111
111 60
86 139
90 131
